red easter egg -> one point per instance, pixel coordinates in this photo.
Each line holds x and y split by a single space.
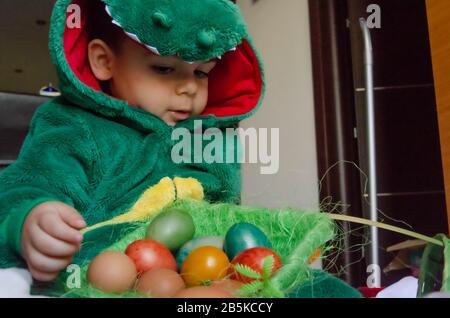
254 258
149 254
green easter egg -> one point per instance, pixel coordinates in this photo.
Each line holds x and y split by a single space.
243 236
172 228
186 249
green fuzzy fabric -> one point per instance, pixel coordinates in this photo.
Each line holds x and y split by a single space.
322 285
446 273
295 236
98 154
435 268
195 30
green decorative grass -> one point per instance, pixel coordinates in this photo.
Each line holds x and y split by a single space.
295 236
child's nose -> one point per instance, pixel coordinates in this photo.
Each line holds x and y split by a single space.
187 85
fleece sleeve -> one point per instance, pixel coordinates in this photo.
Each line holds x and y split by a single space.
53 165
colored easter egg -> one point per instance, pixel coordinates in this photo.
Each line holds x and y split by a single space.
243 236
112 272
172 228
186 249
205 264
160 283
254 258
228 285
314 256
149 254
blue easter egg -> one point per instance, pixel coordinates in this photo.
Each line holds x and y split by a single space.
243 236
186 249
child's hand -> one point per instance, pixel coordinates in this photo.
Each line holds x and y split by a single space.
50 237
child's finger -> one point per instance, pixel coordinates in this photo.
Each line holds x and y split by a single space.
57 228
41 276
51 246
46 264
72 217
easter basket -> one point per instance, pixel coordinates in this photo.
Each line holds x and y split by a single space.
295 236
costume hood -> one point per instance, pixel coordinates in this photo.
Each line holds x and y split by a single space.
193 30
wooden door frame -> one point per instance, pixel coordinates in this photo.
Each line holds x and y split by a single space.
438 14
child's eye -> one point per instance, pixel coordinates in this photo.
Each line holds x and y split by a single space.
164 70
201 74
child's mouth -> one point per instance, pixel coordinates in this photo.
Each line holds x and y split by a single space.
180 115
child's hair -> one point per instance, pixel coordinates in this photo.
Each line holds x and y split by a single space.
100 26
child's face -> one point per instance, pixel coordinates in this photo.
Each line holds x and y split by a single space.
167 87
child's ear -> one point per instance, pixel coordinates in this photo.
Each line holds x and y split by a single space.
101 59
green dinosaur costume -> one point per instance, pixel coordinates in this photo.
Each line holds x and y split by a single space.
99 154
